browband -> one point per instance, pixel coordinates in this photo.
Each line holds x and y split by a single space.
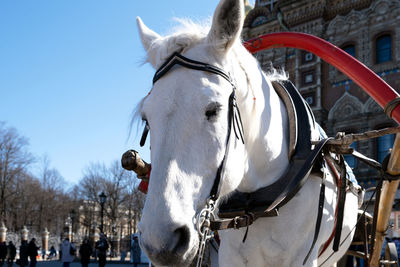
177 58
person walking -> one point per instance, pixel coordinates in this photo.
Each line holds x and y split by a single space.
11 253
85 251
32 252
101 247
23 254
67 250
135 250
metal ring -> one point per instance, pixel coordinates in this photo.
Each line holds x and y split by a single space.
236 223
391 105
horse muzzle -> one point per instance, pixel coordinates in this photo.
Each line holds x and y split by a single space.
172 248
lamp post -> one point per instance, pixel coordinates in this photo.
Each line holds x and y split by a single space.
103 198
72 215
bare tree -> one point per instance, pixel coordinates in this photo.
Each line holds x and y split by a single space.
116 189
52 188
120 188
41 201
88 189
14 160
134 204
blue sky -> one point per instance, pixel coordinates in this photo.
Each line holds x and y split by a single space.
71 74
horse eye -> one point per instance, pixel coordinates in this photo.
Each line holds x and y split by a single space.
212 110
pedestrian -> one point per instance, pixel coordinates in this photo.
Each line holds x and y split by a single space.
135 250
11 253
52 253
85 251
3 252
123 254
32 252
43 254
23 253
101 248
67 250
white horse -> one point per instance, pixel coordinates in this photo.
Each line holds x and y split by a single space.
186 111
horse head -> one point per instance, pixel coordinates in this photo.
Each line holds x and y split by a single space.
187 113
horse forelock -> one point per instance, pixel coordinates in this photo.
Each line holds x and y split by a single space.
184 36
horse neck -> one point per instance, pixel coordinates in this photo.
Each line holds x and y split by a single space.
266 129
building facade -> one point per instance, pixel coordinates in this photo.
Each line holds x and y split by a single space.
369 30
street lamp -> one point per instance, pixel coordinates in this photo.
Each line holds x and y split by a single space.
103 198
72 215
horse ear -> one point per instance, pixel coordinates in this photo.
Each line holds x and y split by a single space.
148 36
227 24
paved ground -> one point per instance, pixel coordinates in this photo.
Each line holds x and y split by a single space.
78 264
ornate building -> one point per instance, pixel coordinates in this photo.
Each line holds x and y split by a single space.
366 29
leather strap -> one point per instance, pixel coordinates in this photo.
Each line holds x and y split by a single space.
391 105
292 115
265 201
177 59
214 193
321 202
341 202
144 134
235 223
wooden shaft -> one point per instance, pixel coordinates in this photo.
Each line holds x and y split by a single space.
386 203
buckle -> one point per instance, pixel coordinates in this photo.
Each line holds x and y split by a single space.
236 223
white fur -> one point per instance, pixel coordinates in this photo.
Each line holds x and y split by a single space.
186 150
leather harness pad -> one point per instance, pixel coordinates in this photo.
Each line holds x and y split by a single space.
265 201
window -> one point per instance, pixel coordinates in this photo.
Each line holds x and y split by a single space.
306 57
383 49
310 98
384 144
307 77
350 49
259 21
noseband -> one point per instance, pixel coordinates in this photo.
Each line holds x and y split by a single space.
205 216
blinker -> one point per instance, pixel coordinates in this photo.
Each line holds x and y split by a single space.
145 133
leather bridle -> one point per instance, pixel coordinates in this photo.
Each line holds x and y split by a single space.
234 118
206 215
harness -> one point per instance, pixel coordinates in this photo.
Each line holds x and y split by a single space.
241 209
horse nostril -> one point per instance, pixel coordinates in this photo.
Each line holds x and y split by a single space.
181 239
